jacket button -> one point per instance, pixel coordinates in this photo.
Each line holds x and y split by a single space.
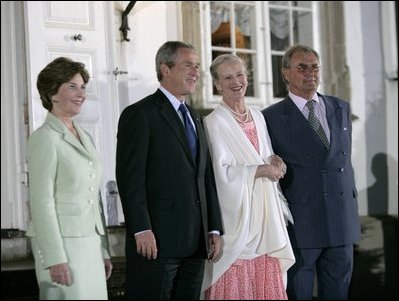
341 170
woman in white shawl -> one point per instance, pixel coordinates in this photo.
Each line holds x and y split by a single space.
256 252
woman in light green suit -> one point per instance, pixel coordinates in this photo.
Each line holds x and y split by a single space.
69 240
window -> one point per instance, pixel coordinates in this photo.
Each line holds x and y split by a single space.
258 31
290 23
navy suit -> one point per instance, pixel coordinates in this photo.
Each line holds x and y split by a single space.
164 189
320 188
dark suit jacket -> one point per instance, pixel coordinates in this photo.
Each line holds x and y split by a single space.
319 184
161 187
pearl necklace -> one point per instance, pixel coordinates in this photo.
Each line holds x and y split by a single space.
237 116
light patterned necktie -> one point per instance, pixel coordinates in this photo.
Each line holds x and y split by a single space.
190 132
316 125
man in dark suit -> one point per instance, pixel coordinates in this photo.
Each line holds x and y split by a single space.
312 134
167 186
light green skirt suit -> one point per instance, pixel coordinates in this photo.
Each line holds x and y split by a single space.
67 222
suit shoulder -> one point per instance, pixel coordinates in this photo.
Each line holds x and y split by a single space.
274 107
336 101
43 139
43 134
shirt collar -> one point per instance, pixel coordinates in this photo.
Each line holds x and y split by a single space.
173 100
300 102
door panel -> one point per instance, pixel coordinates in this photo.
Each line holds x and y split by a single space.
78 30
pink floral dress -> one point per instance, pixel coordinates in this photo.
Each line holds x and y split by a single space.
259 278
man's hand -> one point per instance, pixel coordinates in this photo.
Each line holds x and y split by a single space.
146 244
215 247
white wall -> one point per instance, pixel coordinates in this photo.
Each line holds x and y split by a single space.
374 102
390 57
151 24
354 55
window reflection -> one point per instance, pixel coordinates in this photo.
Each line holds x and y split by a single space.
279 88
279 29
302 28
243 22
220 24
221 20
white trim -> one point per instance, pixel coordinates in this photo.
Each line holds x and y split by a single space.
268 54
12 168
389 38
317 36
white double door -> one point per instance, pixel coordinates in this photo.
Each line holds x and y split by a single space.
81 30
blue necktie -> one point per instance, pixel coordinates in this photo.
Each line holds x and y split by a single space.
190 132
316 125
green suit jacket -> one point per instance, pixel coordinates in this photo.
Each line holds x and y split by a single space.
64 181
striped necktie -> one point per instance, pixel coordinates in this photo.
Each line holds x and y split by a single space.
316 125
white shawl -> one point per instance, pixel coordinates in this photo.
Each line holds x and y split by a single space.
252 215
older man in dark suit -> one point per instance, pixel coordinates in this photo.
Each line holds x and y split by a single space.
312 134
167 186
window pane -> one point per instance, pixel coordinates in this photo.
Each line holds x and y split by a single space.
303 29
279 29
220 24
279 88
245 22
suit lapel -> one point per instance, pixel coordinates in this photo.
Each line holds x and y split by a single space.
295 122
58 126
88 144
173 121
294 115
334 119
